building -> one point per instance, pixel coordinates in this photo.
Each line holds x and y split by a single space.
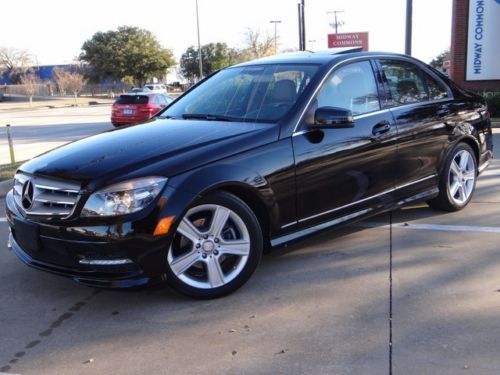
475 45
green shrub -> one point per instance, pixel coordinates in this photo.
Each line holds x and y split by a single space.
493 101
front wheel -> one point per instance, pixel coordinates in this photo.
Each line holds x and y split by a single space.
457 181
216 247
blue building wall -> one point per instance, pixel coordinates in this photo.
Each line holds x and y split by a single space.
44 72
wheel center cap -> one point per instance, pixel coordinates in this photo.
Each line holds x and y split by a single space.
208 246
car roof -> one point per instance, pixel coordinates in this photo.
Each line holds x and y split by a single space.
333 55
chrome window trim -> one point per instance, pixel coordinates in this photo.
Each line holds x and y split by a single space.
370 57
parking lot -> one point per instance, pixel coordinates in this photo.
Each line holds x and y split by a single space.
419 297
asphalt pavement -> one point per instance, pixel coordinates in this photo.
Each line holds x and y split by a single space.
37 131
419 297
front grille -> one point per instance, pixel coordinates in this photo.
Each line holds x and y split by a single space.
50 197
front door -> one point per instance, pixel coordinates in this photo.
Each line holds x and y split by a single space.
342 171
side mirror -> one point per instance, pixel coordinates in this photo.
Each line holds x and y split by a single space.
333 118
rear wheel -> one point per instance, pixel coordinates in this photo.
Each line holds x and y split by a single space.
216 247
457 181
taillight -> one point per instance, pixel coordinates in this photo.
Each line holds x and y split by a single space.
147 108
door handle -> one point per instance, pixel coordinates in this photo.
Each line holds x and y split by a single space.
381 128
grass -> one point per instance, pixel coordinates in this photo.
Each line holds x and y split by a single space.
7 170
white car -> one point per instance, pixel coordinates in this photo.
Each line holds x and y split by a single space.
155 88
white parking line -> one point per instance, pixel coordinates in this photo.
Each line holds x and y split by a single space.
3 220
438 227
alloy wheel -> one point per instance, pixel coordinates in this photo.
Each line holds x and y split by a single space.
210 248
461 177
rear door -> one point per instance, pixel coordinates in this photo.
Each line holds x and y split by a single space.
420 104
343 172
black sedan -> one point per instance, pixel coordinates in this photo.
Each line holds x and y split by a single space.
255 156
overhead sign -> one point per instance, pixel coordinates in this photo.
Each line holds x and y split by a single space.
483 52
343 40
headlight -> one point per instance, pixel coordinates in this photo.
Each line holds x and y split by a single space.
124 198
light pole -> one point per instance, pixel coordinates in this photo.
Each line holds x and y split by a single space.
336 23
409 19
275 35
199 45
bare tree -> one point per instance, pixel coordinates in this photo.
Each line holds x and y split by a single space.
30 84
75 83
59 77
258 45
15 61
68 81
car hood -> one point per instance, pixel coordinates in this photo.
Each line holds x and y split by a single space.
159 147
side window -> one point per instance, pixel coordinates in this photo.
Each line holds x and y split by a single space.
351 87
436 89
405 83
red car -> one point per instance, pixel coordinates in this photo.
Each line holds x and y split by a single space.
139 107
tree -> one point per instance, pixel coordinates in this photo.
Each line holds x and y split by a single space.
258 45
71 81
30 84
16 62
437 62
126 52
214 56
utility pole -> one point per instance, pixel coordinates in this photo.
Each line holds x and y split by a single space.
275 35
336 23
199 44
302 26
409 21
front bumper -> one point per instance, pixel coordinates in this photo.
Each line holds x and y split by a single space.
113 255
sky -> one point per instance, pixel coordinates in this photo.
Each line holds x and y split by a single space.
54 30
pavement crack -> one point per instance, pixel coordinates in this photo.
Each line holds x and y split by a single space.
71 311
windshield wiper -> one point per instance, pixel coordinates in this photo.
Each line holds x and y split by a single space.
209 117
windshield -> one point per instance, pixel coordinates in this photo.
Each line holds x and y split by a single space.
261 93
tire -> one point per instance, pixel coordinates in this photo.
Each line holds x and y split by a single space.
216 247
457 181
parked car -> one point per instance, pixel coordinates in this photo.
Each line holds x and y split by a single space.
138 90
138 107
156 88
255 156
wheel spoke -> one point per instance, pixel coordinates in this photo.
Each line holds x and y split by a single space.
184 262
187 229
469 175
215 274
454 188
455 168
219 219
462 192
238 247
464 160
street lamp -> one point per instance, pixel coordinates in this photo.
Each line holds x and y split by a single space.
275 35
199 45
409 19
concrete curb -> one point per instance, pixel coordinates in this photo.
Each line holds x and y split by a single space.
5 186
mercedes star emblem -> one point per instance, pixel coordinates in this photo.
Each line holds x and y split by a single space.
27 196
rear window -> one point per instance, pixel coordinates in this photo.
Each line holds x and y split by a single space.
132 99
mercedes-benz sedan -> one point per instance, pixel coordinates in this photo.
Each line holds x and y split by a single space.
255 156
